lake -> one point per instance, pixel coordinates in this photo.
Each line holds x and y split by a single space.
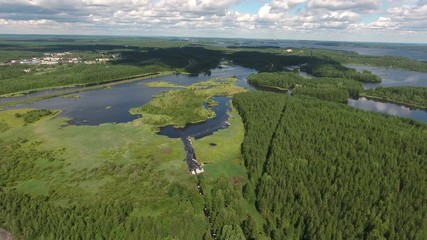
414 51
393 77
389 109
106 105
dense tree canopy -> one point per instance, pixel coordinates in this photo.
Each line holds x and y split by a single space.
336 70
325 171
415 96
331 89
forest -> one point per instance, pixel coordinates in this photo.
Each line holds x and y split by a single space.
320 170
60 182
348 57
69 75
330 89
336 70
139 57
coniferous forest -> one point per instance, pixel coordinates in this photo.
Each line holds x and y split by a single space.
319 170
330 89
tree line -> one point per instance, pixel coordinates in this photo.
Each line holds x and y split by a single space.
337 70
415 96
330 89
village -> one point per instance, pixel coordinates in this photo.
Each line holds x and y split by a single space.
60 58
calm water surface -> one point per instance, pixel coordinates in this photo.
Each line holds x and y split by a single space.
37 94
389 109
393 77
406 50
112 105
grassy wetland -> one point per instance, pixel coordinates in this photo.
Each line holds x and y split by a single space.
137 179
123 168
192 104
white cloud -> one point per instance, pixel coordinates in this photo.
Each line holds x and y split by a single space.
214 17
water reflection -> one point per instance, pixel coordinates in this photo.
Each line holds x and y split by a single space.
389 109
393 77
99 106
37 94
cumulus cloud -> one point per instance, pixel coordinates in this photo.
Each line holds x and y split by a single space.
201 17
354 5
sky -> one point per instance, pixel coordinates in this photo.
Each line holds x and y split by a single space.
334 20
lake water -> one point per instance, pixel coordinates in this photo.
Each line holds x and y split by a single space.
100 106
414 51
389 109
37 94
375 51
393 77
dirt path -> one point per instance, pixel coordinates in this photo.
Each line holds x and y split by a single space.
5 235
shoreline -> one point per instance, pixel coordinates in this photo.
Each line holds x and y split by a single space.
409 105
85 87
122 79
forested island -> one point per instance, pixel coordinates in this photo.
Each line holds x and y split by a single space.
411 96
332 89
290 161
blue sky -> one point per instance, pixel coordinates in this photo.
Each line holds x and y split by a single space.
251 7
347 20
